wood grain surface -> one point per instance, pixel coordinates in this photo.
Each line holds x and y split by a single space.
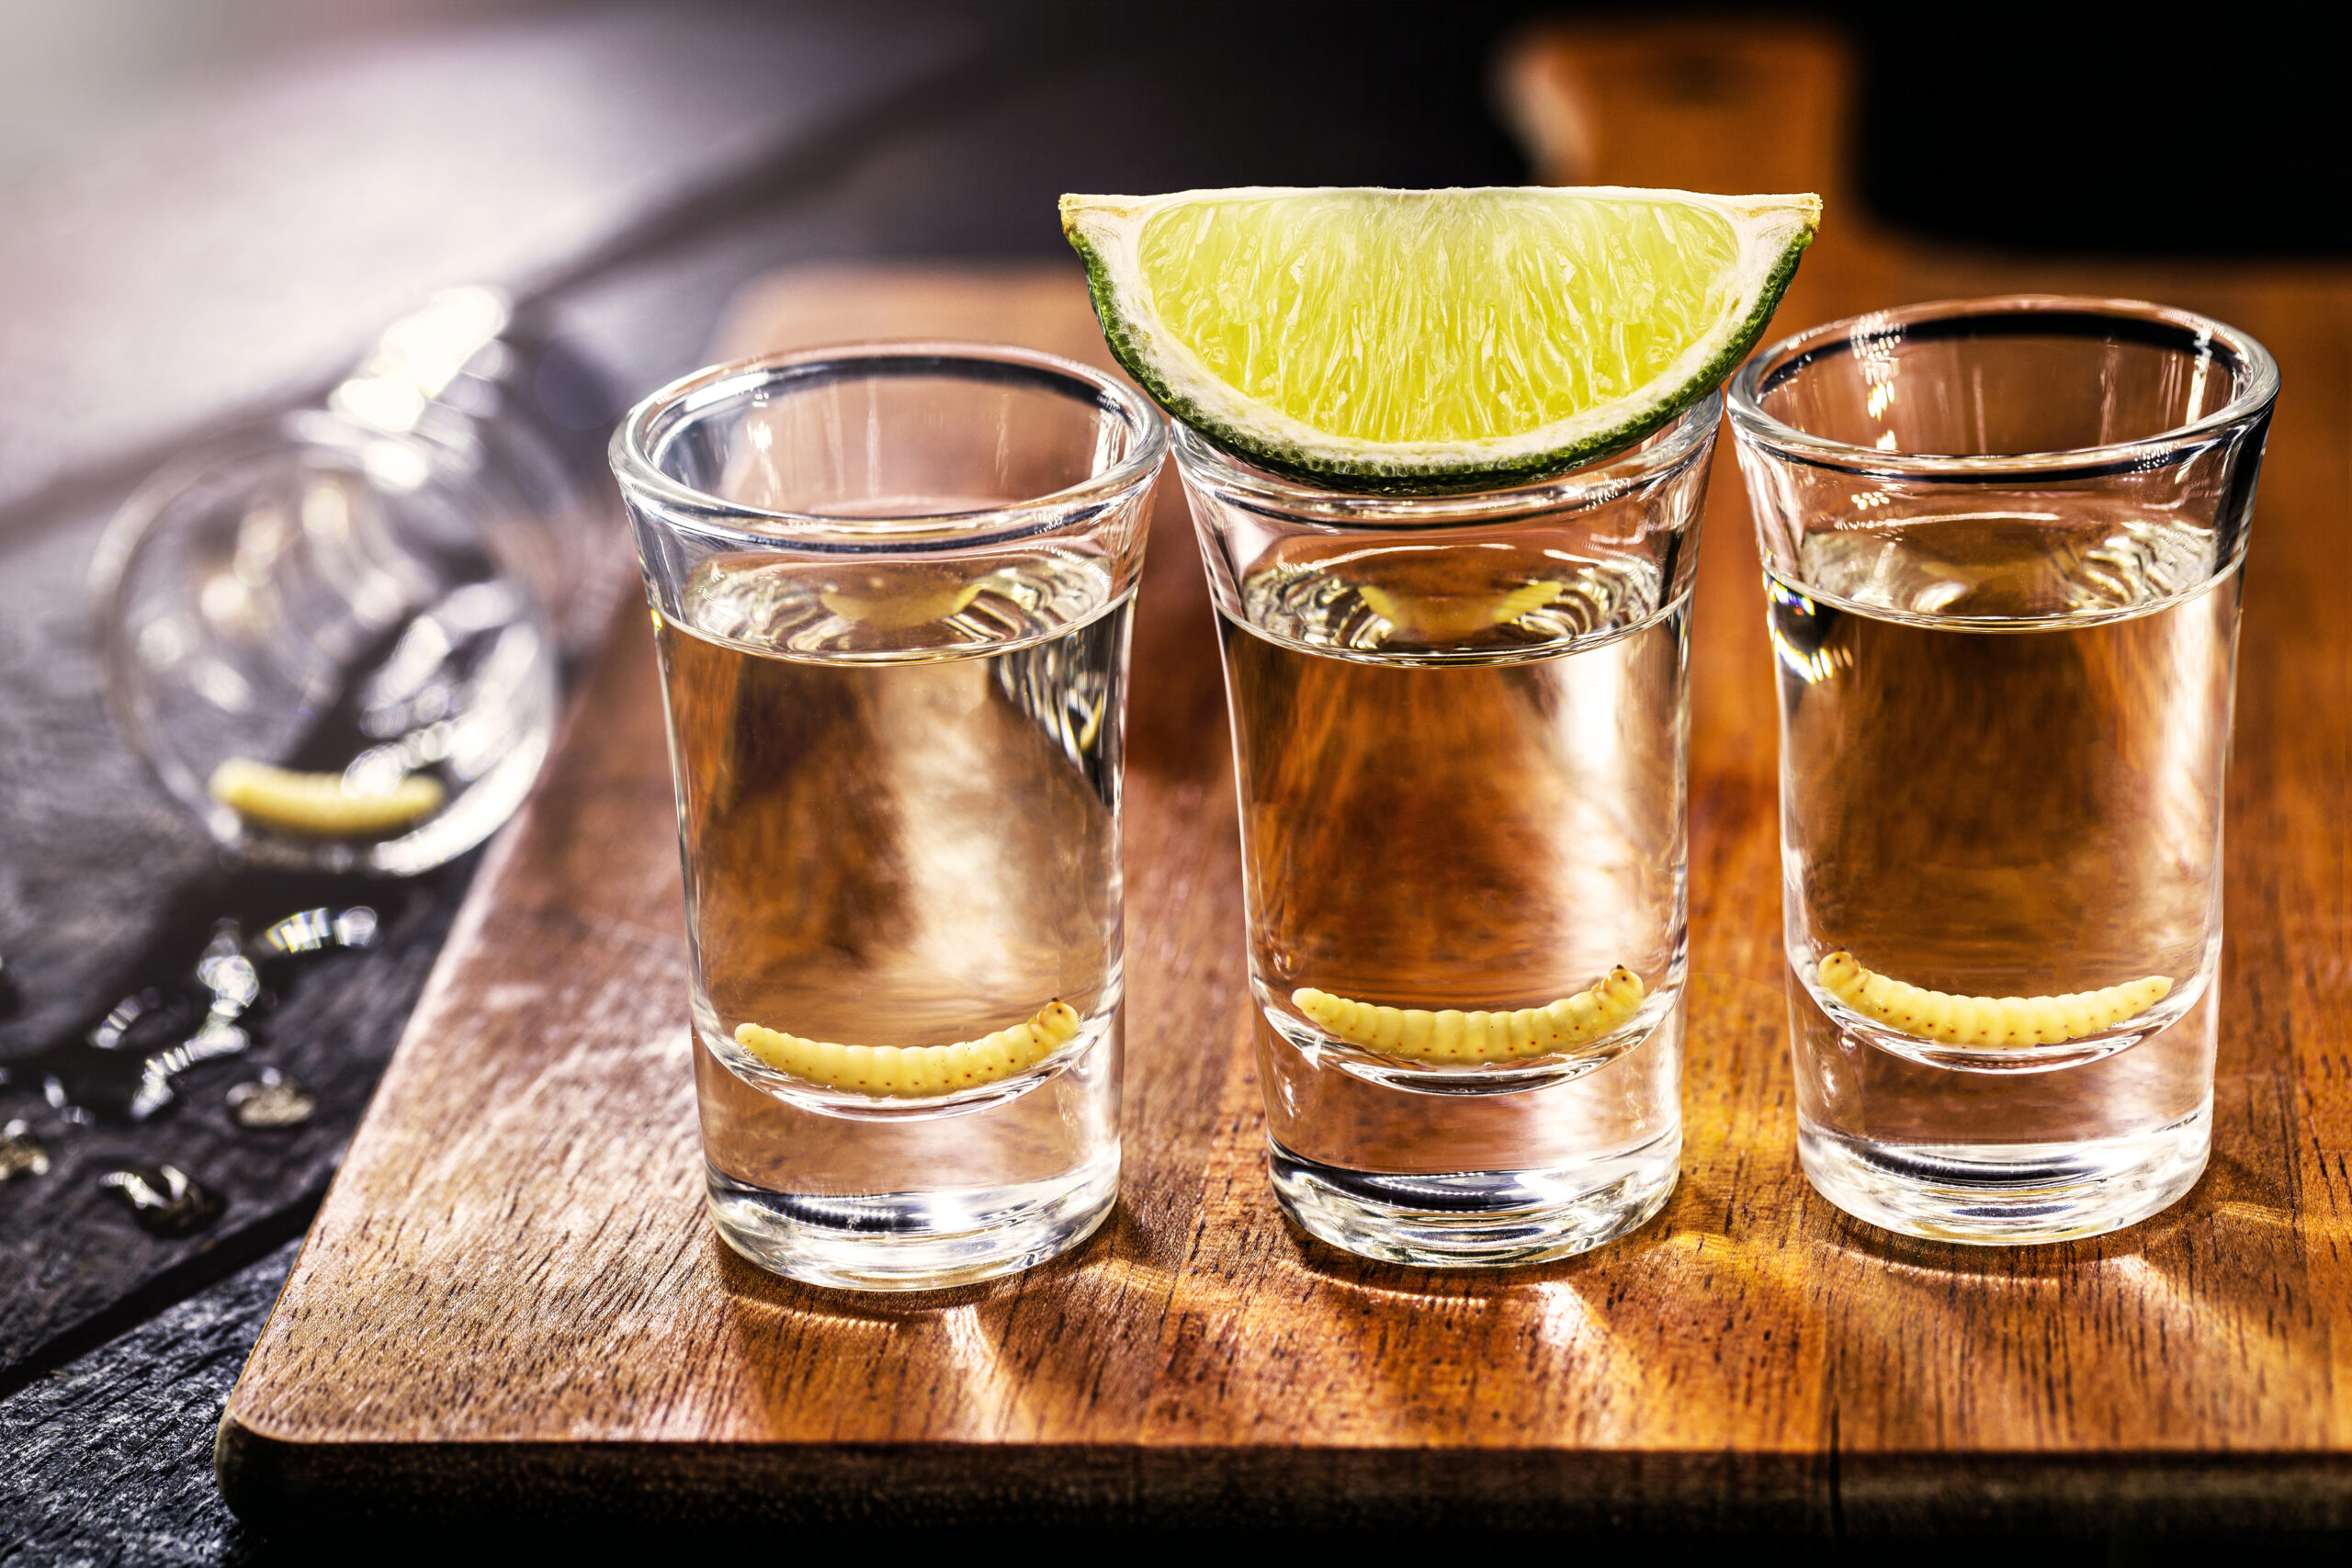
511 1301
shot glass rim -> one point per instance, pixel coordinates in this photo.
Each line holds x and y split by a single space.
1594 484
634 467
1752 425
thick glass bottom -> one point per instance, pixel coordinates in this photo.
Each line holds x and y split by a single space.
1997 1194
1480 1219
914 1241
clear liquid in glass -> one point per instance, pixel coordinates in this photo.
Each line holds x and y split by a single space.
899 799
1461 775
2004 742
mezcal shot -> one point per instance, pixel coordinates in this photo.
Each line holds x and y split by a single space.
891 589
1460 727
1446 451
2002 543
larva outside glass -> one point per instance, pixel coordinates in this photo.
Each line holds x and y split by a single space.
1461 726
2002 541
890 589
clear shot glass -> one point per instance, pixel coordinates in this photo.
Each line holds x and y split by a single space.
892 587
1461 725
337 637
2002 541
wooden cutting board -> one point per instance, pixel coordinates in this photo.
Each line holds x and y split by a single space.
510 1302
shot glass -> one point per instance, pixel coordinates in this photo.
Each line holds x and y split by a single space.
337 637
1460 727
891 588
2002 541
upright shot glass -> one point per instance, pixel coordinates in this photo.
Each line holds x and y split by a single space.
2002 541
892 587
1460 729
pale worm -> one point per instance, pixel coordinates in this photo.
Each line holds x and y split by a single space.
320 806
894 607
1448 618
1987 1020
1417 1035
913 1071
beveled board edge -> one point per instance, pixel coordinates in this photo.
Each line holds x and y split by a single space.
1062 1486
1051 1486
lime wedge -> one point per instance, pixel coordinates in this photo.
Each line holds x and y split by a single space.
1403 340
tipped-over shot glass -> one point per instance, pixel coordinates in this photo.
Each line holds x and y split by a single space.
1461 731
337 637
2002 541
891 588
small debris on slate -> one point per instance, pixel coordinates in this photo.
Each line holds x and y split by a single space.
275 1100
164 1202
20 1153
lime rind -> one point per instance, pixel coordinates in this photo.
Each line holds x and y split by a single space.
1771 232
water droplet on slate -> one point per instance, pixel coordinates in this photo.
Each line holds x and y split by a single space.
275 1100
230 977
165 1201
305 930
153 1093
217 1037
20 1153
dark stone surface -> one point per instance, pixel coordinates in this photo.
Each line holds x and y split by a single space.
104 888
74 1265
110 1461
89 839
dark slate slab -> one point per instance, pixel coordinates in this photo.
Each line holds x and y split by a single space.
87 840
110 1461
75 1265
106 888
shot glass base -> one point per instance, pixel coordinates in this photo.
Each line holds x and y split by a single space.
913 1241
1476 1219
2000 1194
